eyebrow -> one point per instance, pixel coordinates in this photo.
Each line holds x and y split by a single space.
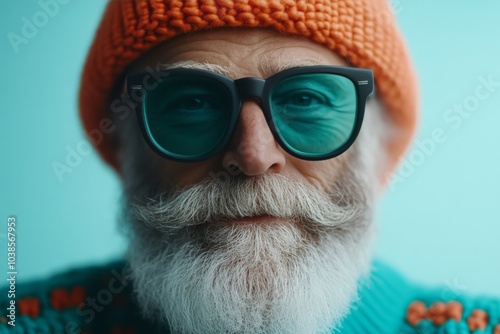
194 65
268 69
271 67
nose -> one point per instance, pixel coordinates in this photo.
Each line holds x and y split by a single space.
253 148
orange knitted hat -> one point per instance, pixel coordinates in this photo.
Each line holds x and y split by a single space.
361 31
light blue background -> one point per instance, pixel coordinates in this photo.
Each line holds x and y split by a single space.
440 226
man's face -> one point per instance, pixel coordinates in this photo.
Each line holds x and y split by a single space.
246 53
252 240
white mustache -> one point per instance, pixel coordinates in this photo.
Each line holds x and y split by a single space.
269 194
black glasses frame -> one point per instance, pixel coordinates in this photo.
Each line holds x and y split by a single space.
247 88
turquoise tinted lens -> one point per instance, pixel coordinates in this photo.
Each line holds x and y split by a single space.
187 117
315 114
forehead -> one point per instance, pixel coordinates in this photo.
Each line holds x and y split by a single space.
242 52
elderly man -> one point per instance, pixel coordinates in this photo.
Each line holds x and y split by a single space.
252 151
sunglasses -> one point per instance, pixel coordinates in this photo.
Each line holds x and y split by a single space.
313 112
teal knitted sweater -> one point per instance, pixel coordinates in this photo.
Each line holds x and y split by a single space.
99 300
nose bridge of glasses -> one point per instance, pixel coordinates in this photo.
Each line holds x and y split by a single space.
249 88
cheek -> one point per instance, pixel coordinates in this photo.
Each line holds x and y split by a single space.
321 174
175 174
146 168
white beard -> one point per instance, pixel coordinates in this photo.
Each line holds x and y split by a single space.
297 275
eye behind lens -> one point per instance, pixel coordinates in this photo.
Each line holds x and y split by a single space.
187 116
314 114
